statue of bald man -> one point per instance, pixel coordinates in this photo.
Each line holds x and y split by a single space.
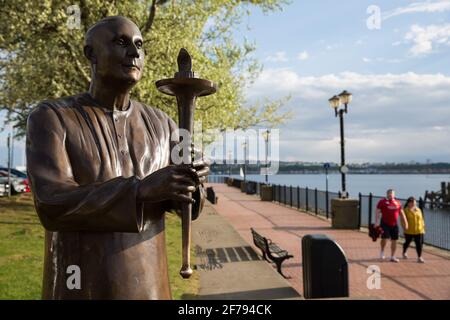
102 177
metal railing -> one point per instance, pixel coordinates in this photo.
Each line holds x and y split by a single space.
318 202
312 200
217 179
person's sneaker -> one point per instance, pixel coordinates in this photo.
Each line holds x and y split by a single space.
394 259
382 257
405 256
420 260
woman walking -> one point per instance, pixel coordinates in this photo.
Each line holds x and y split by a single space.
416 228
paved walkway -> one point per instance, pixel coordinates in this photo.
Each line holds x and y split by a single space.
405 280
228 267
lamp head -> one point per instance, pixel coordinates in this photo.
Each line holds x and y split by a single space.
345 97
266 134
335 102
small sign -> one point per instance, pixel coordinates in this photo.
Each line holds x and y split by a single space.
326 165
343 169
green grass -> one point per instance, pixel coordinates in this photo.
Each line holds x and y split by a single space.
21 249
180 287
22 252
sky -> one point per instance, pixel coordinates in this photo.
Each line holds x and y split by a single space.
392 55
397 70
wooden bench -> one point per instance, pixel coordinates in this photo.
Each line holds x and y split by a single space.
270 250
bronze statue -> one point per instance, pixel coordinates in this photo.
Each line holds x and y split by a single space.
102 177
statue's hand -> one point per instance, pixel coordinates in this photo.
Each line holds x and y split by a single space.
170 183
202 170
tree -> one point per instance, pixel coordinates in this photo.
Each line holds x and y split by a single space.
41 56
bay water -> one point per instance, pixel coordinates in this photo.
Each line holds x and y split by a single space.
405 185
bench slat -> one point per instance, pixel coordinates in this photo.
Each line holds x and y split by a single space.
271 249
274 248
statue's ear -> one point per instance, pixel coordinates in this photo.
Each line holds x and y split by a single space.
89 53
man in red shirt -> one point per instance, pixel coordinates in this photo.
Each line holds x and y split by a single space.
390 209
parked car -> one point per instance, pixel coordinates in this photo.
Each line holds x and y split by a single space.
16 172
3 189
18 184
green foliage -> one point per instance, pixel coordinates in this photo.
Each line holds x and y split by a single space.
42 58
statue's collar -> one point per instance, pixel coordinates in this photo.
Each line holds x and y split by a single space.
88 100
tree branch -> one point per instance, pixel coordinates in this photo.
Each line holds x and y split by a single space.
77 61
151 17
206 108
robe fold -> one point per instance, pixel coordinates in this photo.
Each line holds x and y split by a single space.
84 163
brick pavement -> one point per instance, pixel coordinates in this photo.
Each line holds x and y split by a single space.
405 280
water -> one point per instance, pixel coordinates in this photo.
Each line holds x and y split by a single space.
405 185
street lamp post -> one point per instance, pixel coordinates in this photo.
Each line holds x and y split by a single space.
266 139
245 160
9 164
229 163
335 102
326 167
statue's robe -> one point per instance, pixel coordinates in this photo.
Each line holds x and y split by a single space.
84 163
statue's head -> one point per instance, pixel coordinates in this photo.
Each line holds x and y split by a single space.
114 47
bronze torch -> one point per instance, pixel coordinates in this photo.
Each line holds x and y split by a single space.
186 88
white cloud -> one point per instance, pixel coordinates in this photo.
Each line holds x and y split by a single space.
285 80
380 59
303 55
333 46
279 56
425 39
394 60
404 113
416 7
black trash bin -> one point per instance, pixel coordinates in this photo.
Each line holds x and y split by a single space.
250 187
211 195
325 268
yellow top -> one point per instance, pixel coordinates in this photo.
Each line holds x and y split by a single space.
416 225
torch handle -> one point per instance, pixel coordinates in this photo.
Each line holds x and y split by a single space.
186 107
186 217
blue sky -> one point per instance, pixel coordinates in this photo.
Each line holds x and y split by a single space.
399 75
336 38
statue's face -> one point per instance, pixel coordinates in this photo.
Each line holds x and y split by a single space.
119 52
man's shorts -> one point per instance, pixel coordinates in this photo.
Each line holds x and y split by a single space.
389 232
